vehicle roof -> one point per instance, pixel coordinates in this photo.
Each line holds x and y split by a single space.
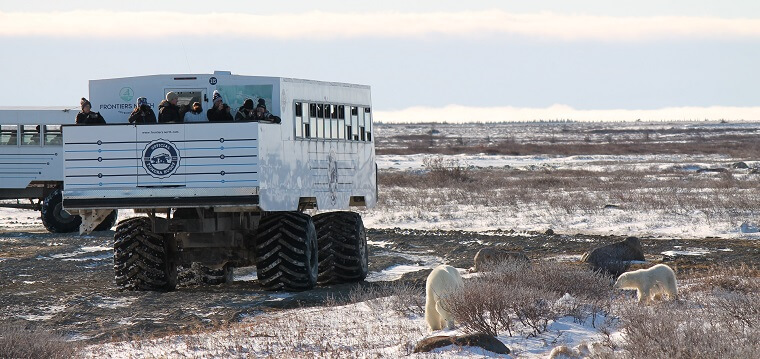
39 108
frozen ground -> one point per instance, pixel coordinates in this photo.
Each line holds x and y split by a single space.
615 219
363 330
64 282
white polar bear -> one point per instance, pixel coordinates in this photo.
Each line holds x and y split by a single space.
583 350
659 279
442 281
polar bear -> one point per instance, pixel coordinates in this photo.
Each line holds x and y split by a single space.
659 279
583 350
442 281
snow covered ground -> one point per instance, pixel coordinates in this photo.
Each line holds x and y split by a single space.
616 220
369 329
372 329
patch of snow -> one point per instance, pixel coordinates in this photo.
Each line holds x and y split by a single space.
686 252
114 303
276 297
47 313
394 272
566 257
245 274
381 244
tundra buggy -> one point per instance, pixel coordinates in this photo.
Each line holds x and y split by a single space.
228 194
31 165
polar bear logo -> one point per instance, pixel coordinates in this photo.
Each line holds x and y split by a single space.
442 281
659 279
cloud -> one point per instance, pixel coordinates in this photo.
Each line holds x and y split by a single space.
459 114
331 25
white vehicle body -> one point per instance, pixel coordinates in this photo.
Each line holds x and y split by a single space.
321 155
31 145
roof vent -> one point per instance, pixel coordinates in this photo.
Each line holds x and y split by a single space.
222 72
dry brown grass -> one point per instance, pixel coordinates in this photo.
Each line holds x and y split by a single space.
33 343
716 316
672 190
515 292
575 139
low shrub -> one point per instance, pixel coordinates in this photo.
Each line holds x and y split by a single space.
530 294
17 341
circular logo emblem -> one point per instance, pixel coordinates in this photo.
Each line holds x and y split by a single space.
126 94
212 80
160 158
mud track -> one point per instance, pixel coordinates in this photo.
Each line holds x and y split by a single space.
65 282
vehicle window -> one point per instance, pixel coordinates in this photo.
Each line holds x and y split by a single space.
354 134
53 135
9 135
30 135
368 123
298 110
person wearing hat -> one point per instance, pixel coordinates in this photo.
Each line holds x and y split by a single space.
168 111
195 114
142 112
263 115
220 112
87 117
246 112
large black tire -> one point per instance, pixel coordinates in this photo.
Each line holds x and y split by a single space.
286 252
54 218
343 254
197 274
109 222
216 276
141 257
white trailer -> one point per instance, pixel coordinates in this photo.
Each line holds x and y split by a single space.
31 164
229 194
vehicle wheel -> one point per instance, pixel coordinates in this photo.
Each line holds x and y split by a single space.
55 218
286 252
216 276
109 222
141 257
343 255
197 274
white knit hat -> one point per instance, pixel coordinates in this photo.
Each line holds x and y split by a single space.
216 97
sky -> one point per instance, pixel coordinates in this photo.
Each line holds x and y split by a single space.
425 60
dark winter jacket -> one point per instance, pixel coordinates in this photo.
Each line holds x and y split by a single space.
244 114
267 117
142 114
215 115
92 118
168 112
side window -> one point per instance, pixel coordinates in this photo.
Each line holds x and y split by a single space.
8 135
362 132
319 129
30 135
333 121
354 127
308 128
53 135
298 110
368 123
340 131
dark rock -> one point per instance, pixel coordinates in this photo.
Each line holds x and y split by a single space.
611 206
549 232
484 341
493 255
739 165
614 258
